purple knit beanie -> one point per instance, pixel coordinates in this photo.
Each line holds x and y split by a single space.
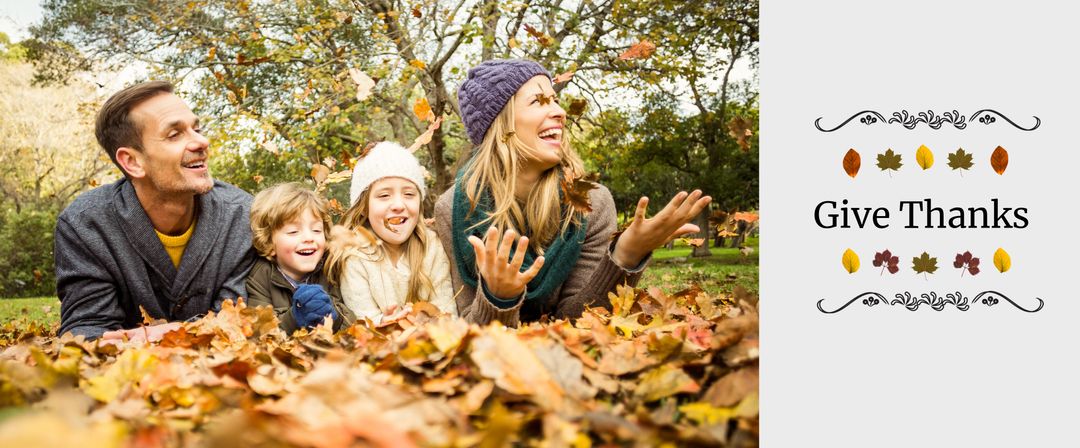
488 88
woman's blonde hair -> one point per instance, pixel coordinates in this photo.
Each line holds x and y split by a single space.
355 232
495 167
278 205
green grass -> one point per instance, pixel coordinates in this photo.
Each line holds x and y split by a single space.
673 269
39 309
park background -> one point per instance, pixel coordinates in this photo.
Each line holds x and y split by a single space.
663 97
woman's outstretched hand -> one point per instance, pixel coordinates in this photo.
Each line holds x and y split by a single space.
644 235
503 278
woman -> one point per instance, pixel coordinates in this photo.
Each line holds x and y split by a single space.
510 186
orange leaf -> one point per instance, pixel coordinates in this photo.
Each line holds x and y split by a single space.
999 160
640 50
423 110
425 138
319 173
418 64
565 77
852 161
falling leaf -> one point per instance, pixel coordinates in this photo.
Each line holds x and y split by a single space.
740 129
423 110
889 160
924 264
850 260
364 84
544 99
258 178
999 160
851 163
565 77
1002 261
886 261
960 160
416 12
319 172
425 138
540 36
577 107
93 183
640 50
967 262
512 43
924 157
576 191
418 64
694 242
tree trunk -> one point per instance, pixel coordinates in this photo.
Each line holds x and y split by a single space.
702 221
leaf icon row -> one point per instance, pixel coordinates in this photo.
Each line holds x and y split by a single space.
890 160
925 264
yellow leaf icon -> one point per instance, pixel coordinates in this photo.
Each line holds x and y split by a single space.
924 157
1002 261
850 261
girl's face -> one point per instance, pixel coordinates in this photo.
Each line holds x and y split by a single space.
538 122
393 210
299 244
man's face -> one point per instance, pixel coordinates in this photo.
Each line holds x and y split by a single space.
175 154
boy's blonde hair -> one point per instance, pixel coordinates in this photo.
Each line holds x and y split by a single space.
276 206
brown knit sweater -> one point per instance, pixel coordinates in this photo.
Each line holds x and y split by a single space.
594 275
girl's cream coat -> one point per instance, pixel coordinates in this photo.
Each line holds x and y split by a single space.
371 283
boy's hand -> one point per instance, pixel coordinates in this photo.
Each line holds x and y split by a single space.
311 304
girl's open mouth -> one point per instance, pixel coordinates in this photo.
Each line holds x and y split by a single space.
395 221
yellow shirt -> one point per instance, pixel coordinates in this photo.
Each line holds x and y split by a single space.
175 245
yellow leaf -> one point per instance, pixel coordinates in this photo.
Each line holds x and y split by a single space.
319 172
129 368
1002 261
418 64
704 413
850 261
665 381
512 43
924 157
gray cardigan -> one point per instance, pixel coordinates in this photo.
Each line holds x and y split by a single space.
594 275
109 260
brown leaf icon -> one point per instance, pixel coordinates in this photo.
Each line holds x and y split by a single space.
999 160
852 161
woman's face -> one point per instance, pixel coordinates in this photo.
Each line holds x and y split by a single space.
538 122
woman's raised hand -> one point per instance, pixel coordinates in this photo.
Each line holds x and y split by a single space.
503 278
644 235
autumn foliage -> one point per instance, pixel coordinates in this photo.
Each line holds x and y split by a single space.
679 368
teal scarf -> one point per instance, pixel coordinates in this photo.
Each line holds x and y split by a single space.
559 258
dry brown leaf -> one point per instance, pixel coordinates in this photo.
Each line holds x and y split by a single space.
640 50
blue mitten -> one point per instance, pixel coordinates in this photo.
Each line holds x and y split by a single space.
311 304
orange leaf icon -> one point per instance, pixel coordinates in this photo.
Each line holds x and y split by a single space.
852 162
999 160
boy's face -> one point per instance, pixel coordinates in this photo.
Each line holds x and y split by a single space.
299 245
394 210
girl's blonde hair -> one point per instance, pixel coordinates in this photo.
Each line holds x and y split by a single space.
278 205
495 167
355 232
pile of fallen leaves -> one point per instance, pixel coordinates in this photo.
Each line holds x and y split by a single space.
658 369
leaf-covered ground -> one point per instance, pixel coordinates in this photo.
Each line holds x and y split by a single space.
678 369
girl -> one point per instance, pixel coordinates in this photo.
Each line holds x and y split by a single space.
383 254
563 260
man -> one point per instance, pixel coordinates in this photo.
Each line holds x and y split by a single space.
166 238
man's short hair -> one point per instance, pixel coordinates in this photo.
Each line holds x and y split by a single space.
114 127
276 206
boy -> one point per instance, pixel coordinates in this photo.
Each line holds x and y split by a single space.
288 225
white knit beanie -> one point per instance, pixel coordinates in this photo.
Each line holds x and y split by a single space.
386 159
